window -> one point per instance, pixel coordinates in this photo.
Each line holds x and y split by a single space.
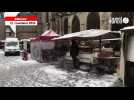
12 44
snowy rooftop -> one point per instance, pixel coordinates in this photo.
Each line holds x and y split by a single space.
11 39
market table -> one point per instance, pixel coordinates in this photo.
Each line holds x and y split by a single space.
109 61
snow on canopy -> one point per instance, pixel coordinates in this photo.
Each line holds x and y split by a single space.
92 33
86 33
128 28
47 35
50 33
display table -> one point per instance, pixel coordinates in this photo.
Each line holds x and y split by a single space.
83 57
109 61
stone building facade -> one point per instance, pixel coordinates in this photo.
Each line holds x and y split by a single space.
68 22
25 32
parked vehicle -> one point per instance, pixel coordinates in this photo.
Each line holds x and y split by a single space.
11 46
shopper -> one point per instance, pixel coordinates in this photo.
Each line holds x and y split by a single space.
74 51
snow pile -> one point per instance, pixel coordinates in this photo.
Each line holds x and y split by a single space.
1 52
16 72
54 73
83 79
3 67
95 82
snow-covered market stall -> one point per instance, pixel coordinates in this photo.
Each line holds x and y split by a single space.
42 47
97 47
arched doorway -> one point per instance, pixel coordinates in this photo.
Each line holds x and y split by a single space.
66 26
93 21
75 24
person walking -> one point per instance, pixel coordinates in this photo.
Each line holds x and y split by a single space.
74 52
25 55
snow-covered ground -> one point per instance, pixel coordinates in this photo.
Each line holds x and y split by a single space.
14 72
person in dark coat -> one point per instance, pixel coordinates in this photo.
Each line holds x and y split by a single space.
74 52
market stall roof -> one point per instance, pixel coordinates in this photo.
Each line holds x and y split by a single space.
70 35
94 33
128 28
47 35
116 31
50 33
86 33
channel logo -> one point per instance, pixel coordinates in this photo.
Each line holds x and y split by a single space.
119 20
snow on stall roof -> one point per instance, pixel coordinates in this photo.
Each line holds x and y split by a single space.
128 28
49 33
11 39
86 33
119 32
94 33
70 35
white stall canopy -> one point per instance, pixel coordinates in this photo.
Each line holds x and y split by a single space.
86 33
127 28
94 33
70 35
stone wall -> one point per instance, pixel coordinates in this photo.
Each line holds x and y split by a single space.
2 27
104 20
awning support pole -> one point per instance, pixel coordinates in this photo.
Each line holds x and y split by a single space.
100 44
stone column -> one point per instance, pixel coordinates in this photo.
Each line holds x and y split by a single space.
104 20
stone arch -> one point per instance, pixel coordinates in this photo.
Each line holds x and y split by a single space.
93 21
66 26
75 24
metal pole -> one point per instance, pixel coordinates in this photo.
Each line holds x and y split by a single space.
100 44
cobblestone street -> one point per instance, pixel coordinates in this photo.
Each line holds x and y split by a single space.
14 72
